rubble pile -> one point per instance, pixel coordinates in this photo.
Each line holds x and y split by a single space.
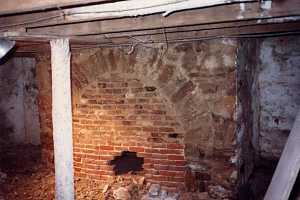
156 193
124 188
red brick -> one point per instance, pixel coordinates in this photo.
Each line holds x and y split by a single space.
175 157
166 129
137 149
175 146
161 167
77 159
108 148
159 156
106 158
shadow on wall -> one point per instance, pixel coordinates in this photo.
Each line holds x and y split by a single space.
6 129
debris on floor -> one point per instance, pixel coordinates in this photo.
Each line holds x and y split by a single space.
157 193
23 176
40 186
219 192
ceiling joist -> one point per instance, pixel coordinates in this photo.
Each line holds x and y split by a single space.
87 23
22 6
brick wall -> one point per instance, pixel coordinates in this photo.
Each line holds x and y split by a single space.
124 115
138 100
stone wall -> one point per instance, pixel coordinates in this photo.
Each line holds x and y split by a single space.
269 101
279 83
18 102
182 96
43 70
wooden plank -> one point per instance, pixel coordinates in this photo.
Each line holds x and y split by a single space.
249 23
238 31
20 6
62 119
288 167
174 34
208 15
133 8
228 13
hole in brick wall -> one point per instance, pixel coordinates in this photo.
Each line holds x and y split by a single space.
127 162
150 88
276 120
173 135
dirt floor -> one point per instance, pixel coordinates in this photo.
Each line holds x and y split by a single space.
40 186
24 177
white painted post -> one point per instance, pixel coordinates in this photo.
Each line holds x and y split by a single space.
288 167
62 119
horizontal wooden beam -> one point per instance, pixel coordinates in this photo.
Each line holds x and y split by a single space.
134 8
237 31
74 15
228 13
21 6
56 18
254 30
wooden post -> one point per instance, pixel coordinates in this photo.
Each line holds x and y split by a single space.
288 167
62 119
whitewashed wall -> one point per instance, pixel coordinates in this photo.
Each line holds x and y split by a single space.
18 101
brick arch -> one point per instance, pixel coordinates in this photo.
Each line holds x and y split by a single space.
197 80
118 113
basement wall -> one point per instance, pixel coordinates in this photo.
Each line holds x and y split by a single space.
270 99
18 102
174 106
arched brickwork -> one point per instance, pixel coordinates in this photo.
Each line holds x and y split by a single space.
197 81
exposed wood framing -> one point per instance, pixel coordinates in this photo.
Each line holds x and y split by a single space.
19 6
288 167
180 34
226 20
62 119
133 8
208 15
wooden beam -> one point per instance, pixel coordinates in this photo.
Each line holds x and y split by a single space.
288 167
228 13
235 31
21 6
133 8
65 16
172 34
208 15
204 27
62 119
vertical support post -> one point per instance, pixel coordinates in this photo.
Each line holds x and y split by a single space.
288 167
62 119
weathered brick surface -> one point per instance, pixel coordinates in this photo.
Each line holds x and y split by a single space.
123 115
174 108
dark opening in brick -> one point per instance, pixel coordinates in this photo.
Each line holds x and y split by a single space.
173 135
150 88
127 162
276 120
